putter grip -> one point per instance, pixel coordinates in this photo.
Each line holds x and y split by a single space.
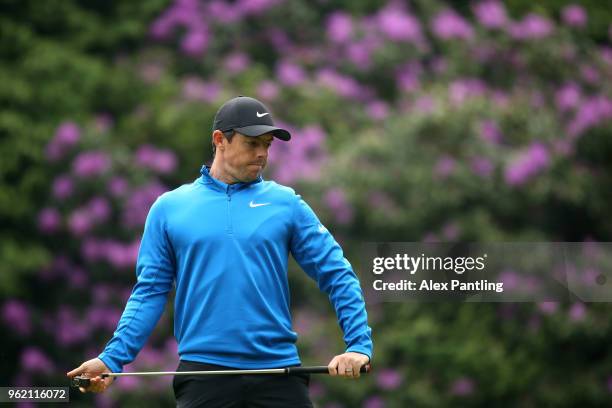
320 370
77 382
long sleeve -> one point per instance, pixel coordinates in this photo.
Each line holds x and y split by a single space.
155 273
321 257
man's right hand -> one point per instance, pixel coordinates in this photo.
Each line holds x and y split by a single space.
92 369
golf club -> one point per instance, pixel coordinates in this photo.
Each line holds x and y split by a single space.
80 381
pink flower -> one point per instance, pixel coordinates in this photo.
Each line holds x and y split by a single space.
91 163
374 402
160 161
527 164
444 167
343 85
336 200
381 201
568 96
49 220
80 222
590 113
451 231
117 186
425 104
464 88
16 315
548 307
151 72
510 279
489 131
491 14
574 15
532 26
577 312
300 159
408 77
589 74
68 329
267 90
138 203
339 27
290 74
62 187
359 54
462 387
256 7
103 122
196 89
99 209
378 110
388 379
398 25
34 360
91 249
66 136
236 62
194 43
447 24
223 12
482 166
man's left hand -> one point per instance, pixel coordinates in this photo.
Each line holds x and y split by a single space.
348 365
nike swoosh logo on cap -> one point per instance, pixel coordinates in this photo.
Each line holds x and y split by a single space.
261 115
253 205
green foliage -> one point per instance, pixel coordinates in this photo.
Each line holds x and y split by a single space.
407 177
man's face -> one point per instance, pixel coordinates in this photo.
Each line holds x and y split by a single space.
245 157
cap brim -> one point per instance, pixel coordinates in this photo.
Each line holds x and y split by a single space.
258 130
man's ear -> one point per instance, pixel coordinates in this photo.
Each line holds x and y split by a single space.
217 139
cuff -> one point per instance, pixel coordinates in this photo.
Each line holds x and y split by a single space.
360 350
114 366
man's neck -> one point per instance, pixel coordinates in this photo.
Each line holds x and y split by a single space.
216 171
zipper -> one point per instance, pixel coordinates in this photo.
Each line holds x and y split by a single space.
229 212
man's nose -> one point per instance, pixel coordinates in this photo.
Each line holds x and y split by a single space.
262 152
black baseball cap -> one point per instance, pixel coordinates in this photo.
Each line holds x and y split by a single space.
247 116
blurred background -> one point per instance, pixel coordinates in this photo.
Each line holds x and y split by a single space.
412 121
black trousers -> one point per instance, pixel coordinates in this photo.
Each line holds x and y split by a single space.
236 391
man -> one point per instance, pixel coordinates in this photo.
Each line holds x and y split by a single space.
225 240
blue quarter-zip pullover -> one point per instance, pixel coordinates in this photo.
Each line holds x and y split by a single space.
226 248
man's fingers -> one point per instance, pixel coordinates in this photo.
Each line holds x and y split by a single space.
342 368
333 366
76 371
356 370
346 366
96 385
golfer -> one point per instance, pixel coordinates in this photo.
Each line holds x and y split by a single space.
224 242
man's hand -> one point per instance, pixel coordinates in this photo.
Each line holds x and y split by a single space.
348 364
92 369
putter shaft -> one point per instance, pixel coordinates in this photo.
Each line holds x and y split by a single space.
80 381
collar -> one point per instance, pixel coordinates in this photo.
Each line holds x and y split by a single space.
217 184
